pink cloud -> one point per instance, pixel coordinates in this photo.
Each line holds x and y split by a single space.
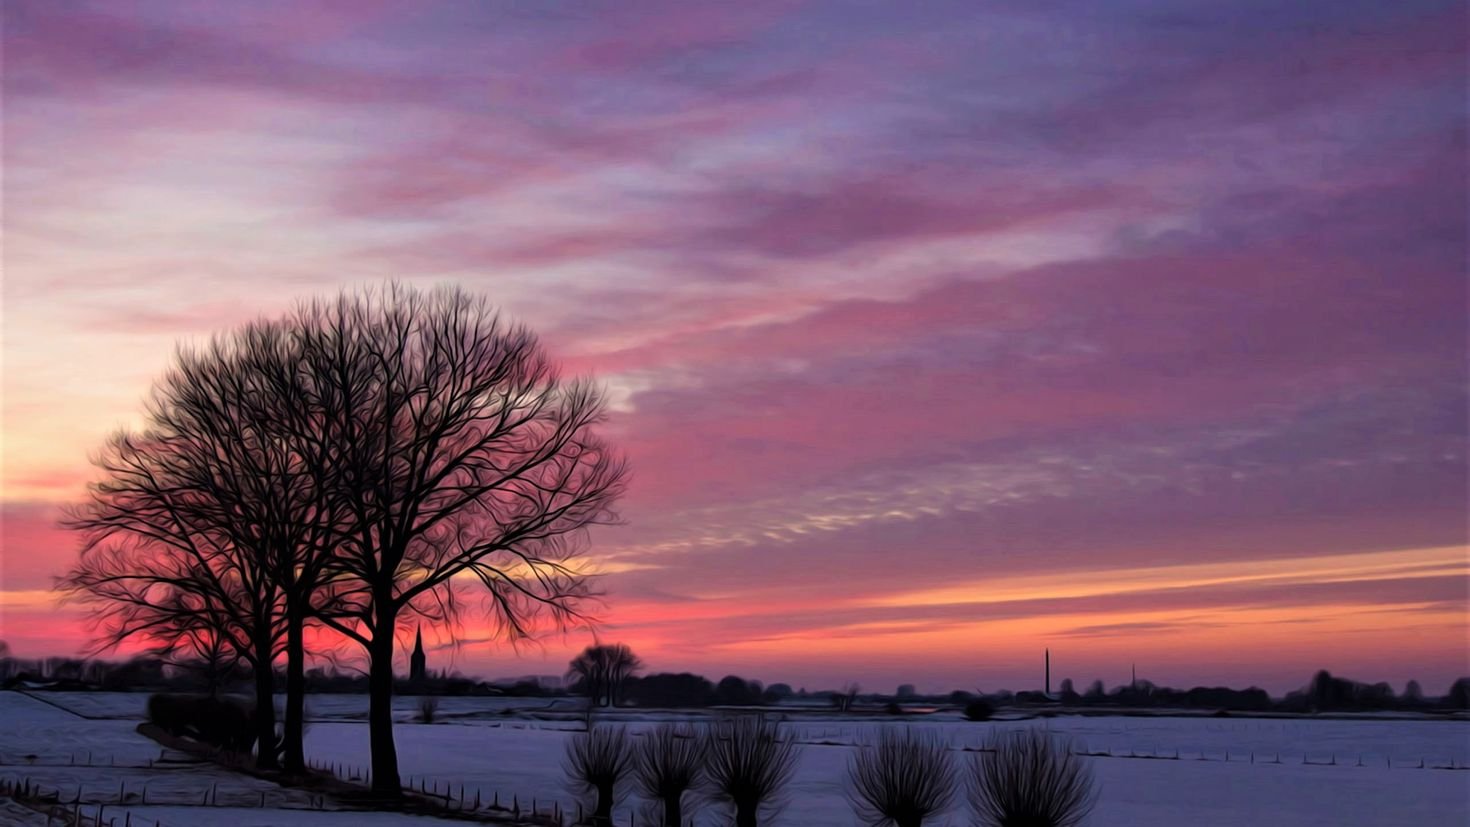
1256 350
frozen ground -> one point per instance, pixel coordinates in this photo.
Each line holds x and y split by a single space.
523 757
103 761
1226 772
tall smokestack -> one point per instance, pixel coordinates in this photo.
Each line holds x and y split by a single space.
1048 671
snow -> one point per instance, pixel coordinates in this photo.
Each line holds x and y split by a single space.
253 817
15 815
1200 787
95 761
515 747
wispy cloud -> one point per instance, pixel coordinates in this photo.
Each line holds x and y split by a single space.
892 302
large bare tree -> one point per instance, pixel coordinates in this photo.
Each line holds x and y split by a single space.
213 527
183 533
381 454
463 466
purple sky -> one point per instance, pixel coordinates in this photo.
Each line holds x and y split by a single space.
938 333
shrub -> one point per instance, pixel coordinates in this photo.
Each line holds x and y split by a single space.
749 764
1029 779
428 706
218 722
664 689
670 762
597 762
906 778
979 710
733 690
1459 694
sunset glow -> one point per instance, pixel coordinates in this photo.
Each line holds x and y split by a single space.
935 336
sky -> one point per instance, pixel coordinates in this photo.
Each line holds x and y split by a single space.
936 334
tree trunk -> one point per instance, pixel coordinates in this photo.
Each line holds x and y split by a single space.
745 815
673 813
380 702
295 692
603 816
265 707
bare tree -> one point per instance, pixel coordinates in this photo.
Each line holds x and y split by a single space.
670 762
904 779
1028 778
308 508
363 458
181 536
602 670
847 697
460 461
232 482
749 766
588 671
598 762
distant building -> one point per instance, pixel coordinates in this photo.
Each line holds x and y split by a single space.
418 666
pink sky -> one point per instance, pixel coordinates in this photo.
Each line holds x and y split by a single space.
936 335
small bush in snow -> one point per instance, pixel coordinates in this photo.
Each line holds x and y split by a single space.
905 778
598 762
749 764
219 722
1030 780
670 763
978 710
428 707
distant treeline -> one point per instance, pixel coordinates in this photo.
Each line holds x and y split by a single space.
1323 693
153 674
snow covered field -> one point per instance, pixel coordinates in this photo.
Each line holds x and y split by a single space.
1226 772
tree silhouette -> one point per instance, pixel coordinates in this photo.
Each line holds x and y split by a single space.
1413 694
383 453
903 780
670 763
599 762
460 459
1027 777
748 766
602 670
187 530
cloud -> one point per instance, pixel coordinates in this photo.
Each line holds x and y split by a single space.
887 300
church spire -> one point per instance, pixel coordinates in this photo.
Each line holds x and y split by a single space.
418 663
